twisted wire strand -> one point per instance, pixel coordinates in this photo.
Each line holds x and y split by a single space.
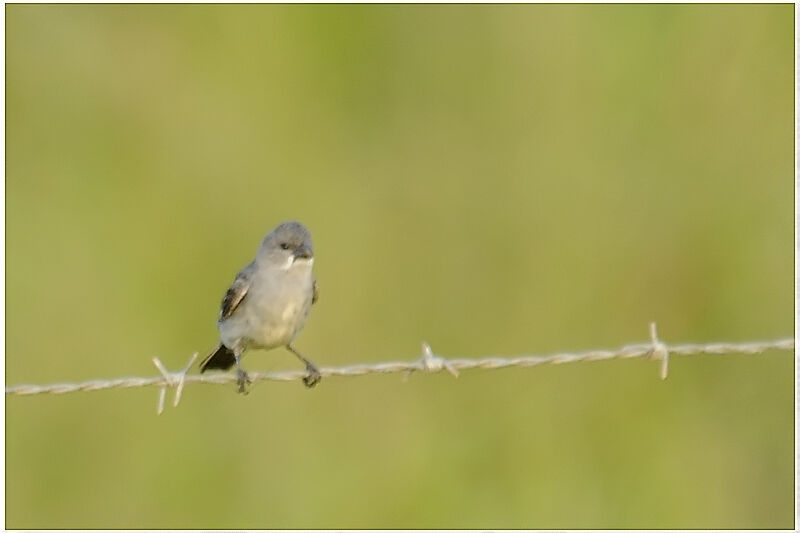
429 363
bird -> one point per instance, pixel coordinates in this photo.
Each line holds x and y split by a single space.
268 303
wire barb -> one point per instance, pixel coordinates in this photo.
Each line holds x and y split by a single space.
659 352
434 363
429 363
176 380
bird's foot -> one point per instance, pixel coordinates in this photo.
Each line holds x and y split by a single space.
243 380
312 376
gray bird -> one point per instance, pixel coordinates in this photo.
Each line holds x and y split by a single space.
268 303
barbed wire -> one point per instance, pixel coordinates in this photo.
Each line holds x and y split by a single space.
429 362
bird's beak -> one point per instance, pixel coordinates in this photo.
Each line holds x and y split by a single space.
304 252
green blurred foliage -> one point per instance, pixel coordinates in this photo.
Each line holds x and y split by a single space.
490 179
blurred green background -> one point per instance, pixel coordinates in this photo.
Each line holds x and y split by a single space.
490 179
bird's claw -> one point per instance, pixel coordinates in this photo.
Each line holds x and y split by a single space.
312 377
243 380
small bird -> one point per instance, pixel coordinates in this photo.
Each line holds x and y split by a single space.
268 303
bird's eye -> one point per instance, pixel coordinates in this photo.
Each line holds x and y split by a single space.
284 246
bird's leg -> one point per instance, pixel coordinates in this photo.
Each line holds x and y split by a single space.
313 376
242 379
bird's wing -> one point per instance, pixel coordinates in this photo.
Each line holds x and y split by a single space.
237 292
314 293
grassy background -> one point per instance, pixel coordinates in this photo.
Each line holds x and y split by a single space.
490 179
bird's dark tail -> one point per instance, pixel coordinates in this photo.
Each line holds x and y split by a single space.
222 357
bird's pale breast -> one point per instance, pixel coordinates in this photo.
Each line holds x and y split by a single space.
273 312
